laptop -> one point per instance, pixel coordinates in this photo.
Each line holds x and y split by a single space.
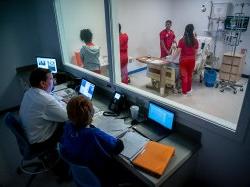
158 125
87 90
47 63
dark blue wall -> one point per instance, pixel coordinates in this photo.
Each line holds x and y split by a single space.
28 29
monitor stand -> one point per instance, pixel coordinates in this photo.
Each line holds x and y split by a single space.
151 130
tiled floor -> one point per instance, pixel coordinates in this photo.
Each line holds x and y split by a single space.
226 105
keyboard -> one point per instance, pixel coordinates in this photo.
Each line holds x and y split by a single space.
60 87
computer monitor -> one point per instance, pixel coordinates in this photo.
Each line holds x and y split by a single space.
87 89
47 63
236 23
160 115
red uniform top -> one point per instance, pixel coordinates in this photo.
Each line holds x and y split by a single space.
123 37
187 53
168 37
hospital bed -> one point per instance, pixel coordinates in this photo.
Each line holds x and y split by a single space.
203 52
165 72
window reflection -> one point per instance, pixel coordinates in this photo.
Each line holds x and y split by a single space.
83 34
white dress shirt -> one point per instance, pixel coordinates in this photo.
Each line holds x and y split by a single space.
39 113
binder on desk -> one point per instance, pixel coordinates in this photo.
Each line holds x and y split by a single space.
154 158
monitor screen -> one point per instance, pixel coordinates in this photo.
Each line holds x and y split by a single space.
117 95
236 23
47 63
161 116
87 89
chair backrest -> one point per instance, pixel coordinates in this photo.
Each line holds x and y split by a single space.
15 126
83 176
79 62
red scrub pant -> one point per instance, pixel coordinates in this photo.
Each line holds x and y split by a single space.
124 68
186 72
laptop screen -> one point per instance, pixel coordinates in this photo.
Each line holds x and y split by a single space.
87 89
47 63
161 116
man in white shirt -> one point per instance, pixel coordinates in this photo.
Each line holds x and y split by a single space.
40 112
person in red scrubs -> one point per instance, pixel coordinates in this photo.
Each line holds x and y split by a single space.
187 48
167 37
123 38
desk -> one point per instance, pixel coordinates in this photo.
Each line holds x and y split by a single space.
180 166
174 173
184 150
158 70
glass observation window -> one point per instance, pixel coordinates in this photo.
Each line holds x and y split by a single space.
154 70
142 64
82 29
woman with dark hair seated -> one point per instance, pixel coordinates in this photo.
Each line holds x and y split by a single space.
83 144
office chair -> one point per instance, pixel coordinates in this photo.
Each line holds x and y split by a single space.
82 176
28 164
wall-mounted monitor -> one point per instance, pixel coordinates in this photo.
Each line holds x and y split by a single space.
236 23
47 63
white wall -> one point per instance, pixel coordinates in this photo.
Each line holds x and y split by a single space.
144 19
80 14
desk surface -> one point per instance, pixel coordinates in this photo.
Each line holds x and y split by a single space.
184 149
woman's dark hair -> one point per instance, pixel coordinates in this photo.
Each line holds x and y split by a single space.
189 35
169 21
80 111
37 76
86 35
120 27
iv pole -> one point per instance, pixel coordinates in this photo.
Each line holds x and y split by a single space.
236 41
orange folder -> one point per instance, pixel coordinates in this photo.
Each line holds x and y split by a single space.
154 158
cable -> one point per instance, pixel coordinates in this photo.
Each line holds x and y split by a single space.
108 113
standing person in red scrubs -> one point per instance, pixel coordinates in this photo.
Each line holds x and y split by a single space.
187 48
123 38
167 37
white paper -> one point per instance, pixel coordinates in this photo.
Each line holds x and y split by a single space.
111 125
133 144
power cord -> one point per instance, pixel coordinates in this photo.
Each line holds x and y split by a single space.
109 113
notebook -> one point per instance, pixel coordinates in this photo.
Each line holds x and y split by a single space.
154 158
133 144
158 125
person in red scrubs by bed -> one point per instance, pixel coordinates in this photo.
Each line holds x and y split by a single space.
167 37
187 48
123 39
